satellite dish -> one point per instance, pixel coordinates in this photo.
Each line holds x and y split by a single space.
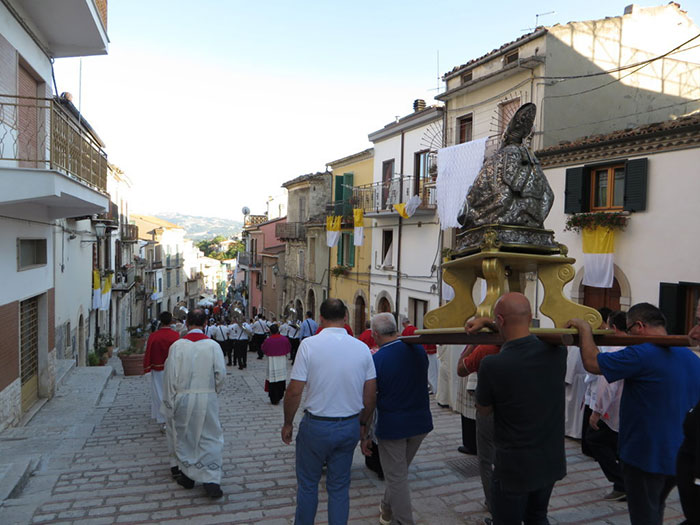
245 210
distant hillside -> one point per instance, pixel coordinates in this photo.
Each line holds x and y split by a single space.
199 228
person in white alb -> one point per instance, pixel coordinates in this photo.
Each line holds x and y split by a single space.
339 374
194 375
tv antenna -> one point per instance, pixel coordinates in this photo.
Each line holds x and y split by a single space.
537 20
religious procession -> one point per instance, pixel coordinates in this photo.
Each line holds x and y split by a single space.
491 315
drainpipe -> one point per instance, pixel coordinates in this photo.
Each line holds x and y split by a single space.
398 257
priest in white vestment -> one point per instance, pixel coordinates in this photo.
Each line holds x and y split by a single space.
194 375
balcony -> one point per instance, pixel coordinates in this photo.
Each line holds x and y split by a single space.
71 28
290 231
47 159
254 220
124 280
379 198
248 259
173 261
129 233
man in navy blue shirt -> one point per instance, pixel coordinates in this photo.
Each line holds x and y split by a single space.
661 385
403 414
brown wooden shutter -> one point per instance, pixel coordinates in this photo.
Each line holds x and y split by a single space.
27 119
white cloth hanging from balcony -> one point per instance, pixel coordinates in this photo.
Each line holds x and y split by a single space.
358 223
458 167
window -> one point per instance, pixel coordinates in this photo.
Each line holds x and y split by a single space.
387 248
510 58
167 279
30 253
607 188
343 194
464 128
387 175
466 77
613 187
301 264
679 303
417 308
160 284
425 170
177 277
346 250
312 250
302 209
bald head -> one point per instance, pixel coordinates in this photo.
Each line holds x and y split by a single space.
513 314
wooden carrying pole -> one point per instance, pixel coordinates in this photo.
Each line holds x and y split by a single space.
559 336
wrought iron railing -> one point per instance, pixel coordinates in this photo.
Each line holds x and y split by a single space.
124 279
40 133
248 259
381 196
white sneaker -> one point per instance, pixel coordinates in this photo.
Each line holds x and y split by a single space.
384 516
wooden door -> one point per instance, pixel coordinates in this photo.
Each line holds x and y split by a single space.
599 297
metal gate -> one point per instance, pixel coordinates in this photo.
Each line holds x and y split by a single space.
29 351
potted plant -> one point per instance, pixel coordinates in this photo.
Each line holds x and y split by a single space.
106 341
132 357
337 271
599 219
92 359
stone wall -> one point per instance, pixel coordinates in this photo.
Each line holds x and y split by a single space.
11 405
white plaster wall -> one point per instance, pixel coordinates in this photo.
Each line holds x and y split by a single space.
657 245
20 285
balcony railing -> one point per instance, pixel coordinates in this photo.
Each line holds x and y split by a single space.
124 279
248 259
129 233
40 133
290 231
380 197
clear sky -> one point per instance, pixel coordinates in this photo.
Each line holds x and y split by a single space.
209 106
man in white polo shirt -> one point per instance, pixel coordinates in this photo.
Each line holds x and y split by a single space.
339 373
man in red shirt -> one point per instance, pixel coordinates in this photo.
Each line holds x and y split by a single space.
366 337
157 349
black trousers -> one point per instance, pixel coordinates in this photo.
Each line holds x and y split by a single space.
603 445
276 391
239 353
646 494
227 347
469 434
688 491
295 346
514 508
256 344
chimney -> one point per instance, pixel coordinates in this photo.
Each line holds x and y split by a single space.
630 9
418 105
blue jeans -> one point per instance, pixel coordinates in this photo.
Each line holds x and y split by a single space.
514 508
332 443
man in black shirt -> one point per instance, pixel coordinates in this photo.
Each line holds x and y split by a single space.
523 386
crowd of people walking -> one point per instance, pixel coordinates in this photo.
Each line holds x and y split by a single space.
643 426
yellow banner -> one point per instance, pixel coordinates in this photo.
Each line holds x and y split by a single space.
401 208
358 217
598 240
333 223
96 280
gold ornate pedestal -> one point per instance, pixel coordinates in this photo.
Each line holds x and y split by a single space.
504 272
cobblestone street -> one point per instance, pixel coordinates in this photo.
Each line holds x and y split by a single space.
111 466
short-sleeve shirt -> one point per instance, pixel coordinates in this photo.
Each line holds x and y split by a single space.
661 385
524 383
335 367
403 403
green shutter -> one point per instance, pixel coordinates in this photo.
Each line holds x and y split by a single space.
576 192
338 195
347 193
351 250
671 304
636 185
340 249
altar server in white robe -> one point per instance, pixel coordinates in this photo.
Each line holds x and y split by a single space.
194 375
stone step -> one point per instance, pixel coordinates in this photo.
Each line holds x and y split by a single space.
14 476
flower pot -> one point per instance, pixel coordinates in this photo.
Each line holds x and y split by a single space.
110 351
132 364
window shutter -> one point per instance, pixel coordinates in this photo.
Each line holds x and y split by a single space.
636 185
575 192
670 303
351 250
347 193
340 249
338 195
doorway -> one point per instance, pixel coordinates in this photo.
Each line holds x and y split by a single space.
600 297
360 316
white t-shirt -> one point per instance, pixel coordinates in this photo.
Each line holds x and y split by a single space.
284 328
334 366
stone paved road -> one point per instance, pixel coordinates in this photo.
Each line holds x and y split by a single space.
111 468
